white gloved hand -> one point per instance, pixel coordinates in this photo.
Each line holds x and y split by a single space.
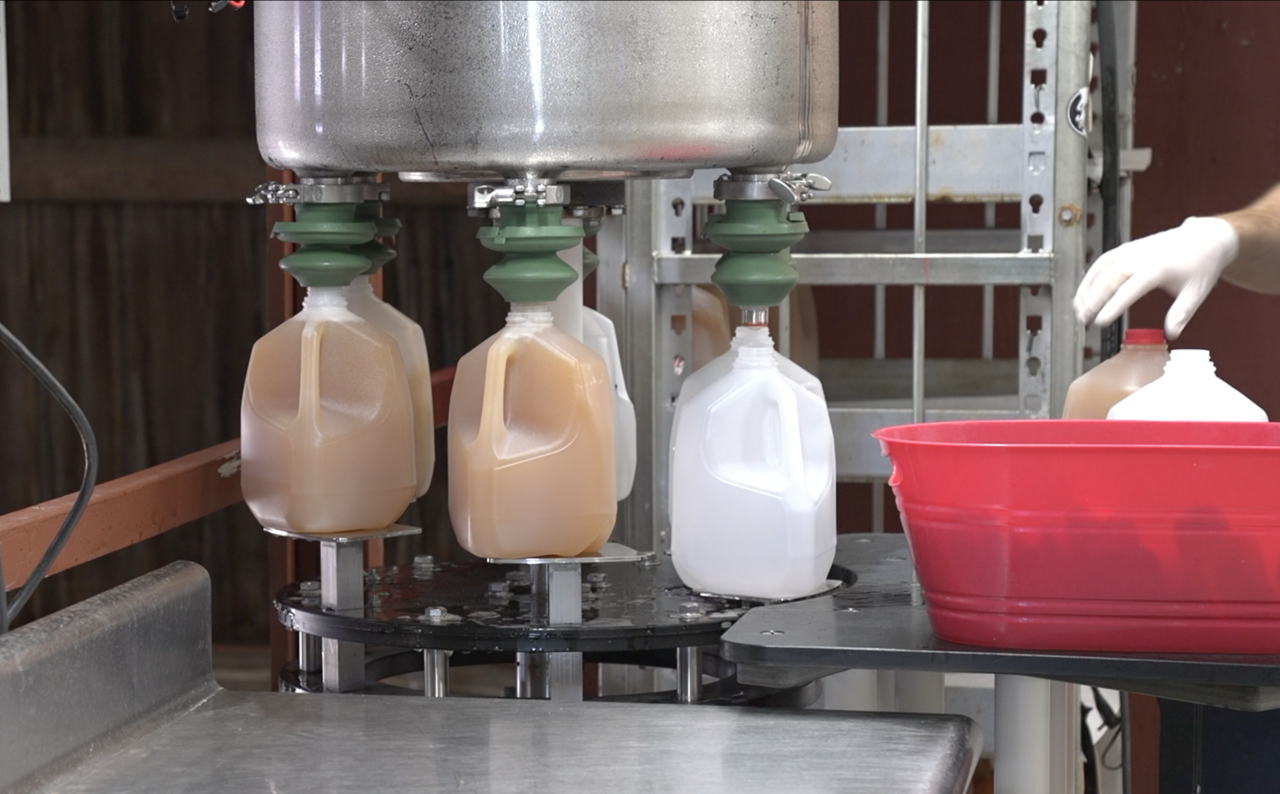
1186 262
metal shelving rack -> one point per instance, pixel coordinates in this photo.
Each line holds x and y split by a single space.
646 265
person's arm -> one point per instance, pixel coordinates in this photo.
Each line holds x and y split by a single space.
1257 263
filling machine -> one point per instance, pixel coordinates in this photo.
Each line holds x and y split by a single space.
632 120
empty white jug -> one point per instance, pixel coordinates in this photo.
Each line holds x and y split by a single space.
1189 391
753 483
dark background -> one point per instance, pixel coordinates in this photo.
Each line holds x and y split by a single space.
147 307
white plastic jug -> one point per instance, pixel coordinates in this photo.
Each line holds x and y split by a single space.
598 334
362 302
326 424
753 484
717 368
1189 391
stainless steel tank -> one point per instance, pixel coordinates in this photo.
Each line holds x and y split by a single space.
568 89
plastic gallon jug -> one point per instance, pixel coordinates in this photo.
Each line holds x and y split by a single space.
753 484
711 327
751 336
599 335
362 302
531 449
327 423
1141 360
1189 391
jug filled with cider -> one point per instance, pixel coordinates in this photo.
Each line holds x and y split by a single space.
531 443
1141 359
364 303
327 441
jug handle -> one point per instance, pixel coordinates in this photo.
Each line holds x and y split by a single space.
495 389
312 340
788 416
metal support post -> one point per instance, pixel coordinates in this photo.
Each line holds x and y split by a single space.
1037 736
435 673
557 589
1069 198
342 589
920 205
689 674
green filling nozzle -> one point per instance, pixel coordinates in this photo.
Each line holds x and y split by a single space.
757 269
530 236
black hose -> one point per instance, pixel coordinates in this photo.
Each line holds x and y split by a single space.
1110 187
9 612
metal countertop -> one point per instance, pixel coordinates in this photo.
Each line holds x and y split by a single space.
250 742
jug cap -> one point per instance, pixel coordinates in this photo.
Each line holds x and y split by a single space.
1144 336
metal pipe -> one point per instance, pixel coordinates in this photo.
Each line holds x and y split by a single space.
689 674
435 673
882 119
532 676
1023 742
989 211
308 653
920 204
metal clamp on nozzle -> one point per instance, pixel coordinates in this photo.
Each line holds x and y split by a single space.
518 193
321 191
789 187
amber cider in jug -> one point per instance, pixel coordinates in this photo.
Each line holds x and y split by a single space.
531 445
327 439
1141 360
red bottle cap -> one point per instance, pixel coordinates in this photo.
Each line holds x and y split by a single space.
1144 336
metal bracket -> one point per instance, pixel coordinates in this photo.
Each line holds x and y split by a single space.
518 193
789 187
320 192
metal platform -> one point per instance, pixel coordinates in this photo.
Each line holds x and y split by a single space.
116 694
881 623
472 605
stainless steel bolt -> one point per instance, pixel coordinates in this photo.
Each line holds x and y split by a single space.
498 588
436 614
596 578
690 610
424 561
309 586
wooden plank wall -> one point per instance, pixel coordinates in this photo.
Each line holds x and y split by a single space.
146 298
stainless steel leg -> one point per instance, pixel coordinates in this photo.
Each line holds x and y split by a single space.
532 680
342 589
689 674
308 653
557 595
435 673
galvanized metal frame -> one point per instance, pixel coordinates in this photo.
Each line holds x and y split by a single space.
646 265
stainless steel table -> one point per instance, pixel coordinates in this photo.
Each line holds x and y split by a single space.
116 694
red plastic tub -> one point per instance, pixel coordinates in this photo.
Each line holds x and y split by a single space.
1094 535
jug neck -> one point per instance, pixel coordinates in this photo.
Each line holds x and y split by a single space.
361 288
752 336
537 313
1194 363
754 357
324 298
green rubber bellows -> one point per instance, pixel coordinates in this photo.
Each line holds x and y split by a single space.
325 234
530 236
377 252
757 269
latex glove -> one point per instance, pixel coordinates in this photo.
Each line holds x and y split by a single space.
1186 262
